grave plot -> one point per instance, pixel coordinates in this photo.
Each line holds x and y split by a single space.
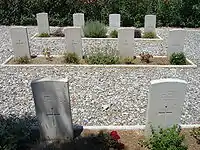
124 55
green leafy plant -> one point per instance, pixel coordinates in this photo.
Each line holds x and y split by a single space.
150 35
22 60
145 57
165 139
128 60
44 35
95 29
138 33
178 59
47 54
196 134
101 58
71 58
114 34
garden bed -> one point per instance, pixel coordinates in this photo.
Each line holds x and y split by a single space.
57 60
131 138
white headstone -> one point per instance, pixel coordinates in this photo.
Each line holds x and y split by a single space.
20 41
73 40
166 98
150 23
43 23
126 41
176 41
78 20
52 104
114 20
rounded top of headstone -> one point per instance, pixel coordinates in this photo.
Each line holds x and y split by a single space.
78 14
169 80
49 80
126 28
150 15
114 14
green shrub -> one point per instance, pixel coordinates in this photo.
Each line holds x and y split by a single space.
71 58
44 35
101 58
95 29
114 34
178 59
150 35
165 139
138 33
129 60
22 60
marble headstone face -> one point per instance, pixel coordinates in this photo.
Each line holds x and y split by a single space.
126 41
114 20
176 41
20 41
53 109
43 23
78 20
166 99
73 40
150 23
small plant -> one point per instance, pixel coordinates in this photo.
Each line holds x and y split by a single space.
196 134
101 58
129 60
95 29
114 34
47 54
71 58
58 33
138 33
165 139
178 59
145 57
150 35
111 140
22 60
44 35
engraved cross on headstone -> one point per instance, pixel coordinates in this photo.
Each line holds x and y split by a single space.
19 42
53 114
165 113
73 45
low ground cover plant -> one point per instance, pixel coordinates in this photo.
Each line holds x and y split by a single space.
47 54
114 34
145 57
71 58
150 35
44 35
165 139
178 59
101 58
22 60
95 29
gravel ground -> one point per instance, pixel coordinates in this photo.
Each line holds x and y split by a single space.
123 91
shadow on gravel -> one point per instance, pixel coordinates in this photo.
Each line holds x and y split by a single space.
19 134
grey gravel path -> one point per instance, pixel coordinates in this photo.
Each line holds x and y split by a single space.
123 91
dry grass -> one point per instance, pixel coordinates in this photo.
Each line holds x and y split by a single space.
131 138
59 60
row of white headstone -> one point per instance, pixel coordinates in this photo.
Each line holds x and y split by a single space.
53 109
79 21
20 41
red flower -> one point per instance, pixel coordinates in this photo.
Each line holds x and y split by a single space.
115 135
